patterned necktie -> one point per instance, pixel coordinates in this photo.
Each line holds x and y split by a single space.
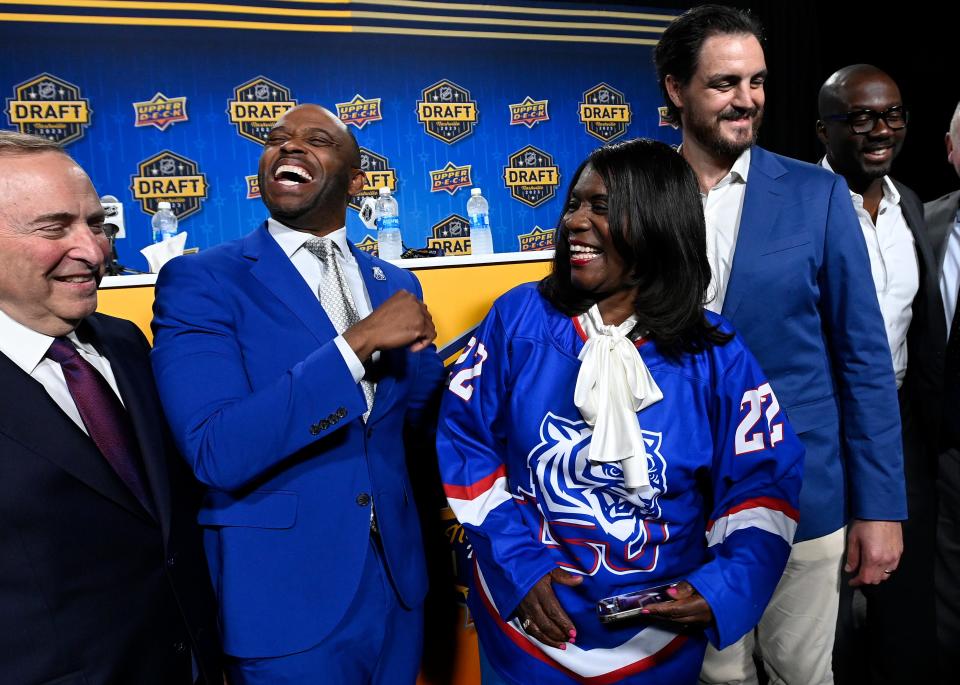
107 422
335 297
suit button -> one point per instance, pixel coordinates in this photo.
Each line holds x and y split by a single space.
363 499
341 412
314 429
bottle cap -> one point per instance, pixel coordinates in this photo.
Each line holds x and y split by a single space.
384 191
163 205
474 191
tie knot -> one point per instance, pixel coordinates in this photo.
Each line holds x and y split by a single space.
322 248
62 350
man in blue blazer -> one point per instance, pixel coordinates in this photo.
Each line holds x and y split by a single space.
791 272
289 364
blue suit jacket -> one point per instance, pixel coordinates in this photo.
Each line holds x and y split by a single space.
801 296
269 417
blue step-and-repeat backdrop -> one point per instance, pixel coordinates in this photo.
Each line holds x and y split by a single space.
171 100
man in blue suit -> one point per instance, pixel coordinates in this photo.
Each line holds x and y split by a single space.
289 364
791 272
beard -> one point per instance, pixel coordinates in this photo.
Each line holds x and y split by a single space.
706 129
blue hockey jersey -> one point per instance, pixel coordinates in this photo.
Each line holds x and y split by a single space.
725 469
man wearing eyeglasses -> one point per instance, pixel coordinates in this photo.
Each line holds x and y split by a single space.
863 124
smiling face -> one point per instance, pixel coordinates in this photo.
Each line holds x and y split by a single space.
309 169
53 251
596 266
721 107
862 158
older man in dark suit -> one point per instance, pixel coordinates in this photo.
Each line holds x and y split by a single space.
101 573
943 226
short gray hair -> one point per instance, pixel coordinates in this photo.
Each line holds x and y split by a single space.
14 143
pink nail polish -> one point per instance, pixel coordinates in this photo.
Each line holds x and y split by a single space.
644 611
573 640
573 633
563 645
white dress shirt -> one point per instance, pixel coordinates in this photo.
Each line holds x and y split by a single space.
950 274
291 242
27 349
722 206
893 264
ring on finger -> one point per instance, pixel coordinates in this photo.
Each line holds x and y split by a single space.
525 623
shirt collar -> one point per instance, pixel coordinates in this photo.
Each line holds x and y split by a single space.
738 172
26 347
890 192
290 240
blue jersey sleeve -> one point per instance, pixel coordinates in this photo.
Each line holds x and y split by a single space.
471 447
756 476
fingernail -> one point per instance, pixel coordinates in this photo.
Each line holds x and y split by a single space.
644 611
573 640
573 633
563 645
673 592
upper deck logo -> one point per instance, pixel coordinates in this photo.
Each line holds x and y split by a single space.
368 245
447 112
531 176
359 112
604 112
450 178
253 186
664 113
169 177
452 235
50 107
256 106
538 239
379 175
529 112
160 111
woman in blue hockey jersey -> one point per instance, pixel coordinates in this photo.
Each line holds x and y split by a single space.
602 434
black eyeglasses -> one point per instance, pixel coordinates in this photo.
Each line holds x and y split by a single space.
863 121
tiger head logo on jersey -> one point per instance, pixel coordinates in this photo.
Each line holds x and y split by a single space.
590 512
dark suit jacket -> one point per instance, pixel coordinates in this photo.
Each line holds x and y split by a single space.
93 589
800 294
266 411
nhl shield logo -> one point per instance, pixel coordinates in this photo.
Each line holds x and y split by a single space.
605 112
169 177
49 107
452 236
531 176
447 112
379 174
257 105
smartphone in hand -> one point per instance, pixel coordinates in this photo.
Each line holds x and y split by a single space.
619 607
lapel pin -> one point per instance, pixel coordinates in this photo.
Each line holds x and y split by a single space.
378 274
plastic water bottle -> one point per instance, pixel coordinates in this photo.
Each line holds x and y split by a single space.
478 210
389 242
164 222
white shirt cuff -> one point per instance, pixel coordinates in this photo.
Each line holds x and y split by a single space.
351 358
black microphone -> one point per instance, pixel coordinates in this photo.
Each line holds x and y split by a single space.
113 228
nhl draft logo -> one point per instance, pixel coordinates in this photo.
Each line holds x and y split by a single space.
379 175
447 112
257 105
359 112
452 236
160 111
531 176
529 112
538 239
664 112
450 178
604 112
253 186
49 107
169 177
368 245
612 527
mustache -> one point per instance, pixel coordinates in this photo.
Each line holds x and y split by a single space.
731 113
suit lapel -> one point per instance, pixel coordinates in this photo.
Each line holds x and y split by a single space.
380 289
762 203
135 383
30 417
277 274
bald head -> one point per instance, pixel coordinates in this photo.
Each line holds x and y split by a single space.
834 93
335 124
